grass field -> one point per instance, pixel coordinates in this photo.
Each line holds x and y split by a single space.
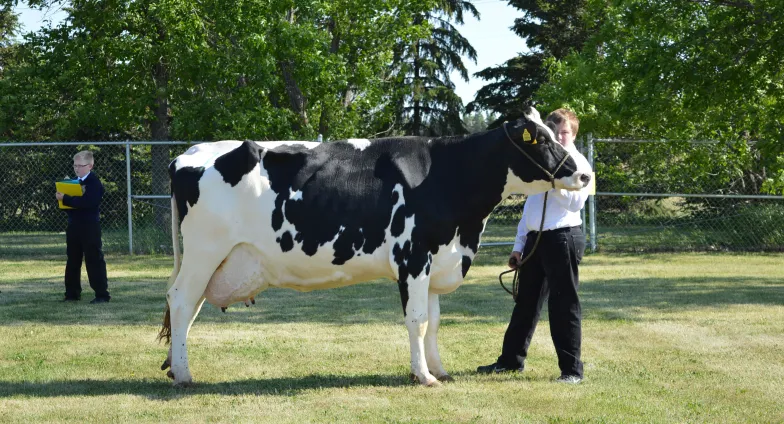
667 338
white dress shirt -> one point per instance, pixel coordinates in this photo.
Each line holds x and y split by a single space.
85 176
563 208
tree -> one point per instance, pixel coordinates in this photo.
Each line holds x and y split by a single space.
551 29
424 99
685 70
8 27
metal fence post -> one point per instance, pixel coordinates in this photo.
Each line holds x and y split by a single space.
592 198
130 204
581 148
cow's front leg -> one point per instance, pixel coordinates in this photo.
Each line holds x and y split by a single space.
431 342
415 307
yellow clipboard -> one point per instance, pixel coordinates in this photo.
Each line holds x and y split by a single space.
69 187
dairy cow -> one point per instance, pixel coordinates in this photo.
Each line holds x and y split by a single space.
309 216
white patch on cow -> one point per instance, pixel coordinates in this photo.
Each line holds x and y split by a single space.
514 185
296 195
533 115
273 144
583 167
359 143
204 154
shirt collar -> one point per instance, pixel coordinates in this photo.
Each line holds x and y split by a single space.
85 176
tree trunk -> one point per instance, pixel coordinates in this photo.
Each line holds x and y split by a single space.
297 100
159 129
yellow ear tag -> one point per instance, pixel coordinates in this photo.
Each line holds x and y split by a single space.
526 136
533 142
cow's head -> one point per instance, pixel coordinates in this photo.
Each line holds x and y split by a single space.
538 160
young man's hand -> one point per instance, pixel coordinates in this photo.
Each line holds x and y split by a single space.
58 195
514 260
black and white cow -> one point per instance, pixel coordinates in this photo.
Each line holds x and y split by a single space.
310 216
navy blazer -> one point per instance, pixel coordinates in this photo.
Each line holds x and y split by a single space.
87 207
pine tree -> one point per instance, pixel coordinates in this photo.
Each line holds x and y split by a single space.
551 29
425 100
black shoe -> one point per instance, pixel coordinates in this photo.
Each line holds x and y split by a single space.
496 368
99 300
569 379
71 299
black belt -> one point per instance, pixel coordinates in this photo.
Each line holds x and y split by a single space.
555 230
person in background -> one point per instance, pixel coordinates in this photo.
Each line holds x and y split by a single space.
83 234
551 272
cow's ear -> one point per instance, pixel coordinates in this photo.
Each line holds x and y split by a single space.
530 133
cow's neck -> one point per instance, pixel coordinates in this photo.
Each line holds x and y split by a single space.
476 170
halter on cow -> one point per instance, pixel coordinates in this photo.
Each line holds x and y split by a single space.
312 216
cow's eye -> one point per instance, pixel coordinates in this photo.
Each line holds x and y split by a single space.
541 139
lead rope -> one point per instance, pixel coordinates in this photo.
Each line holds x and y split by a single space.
515 283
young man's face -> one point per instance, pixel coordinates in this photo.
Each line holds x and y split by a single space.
81 168
564 134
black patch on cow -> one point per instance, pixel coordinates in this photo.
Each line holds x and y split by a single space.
466 265
469 234
349 240
398 221
238 162
286 241
401 255
402 285
418 260
185 186
277 214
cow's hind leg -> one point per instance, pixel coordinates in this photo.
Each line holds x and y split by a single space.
185 297
167 363
431 342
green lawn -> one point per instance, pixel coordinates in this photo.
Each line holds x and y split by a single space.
667 338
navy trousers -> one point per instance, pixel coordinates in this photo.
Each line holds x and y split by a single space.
83 240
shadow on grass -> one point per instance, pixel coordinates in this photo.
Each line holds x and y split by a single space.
163 389
143 303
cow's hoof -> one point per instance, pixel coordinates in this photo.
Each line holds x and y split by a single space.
414 379
434 383
170 374
446 378
165 364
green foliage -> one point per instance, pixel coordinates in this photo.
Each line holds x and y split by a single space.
477 121
684 70
206 70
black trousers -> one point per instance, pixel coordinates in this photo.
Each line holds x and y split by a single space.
552 271
83 239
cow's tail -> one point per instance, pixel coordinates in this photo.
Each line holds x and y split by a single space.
165 333
175 231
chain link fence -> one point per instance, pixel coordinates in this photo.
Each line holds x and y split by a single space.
664 196
693 200
135 211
